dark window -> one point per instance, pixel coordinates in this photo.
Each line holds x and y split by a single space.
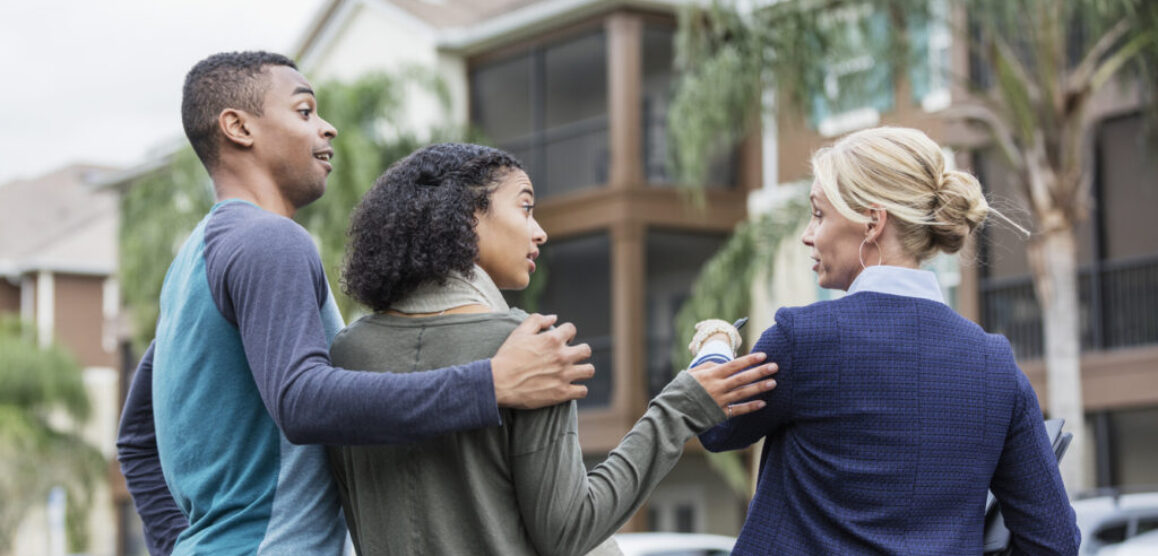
852 79
658 90
502 93
576 275
548 106
1111 534
1117 257
1133 448
685 518
1146 524
673 262
981 74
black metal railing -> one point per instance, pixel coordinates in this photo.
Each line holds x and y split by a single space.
599 387
565 158
1117 305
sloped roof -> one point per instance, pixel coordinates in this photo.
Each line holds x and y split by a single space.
58 221
459 13
467 26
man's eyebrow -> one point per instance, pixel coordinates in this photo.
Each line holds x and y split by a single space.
305 90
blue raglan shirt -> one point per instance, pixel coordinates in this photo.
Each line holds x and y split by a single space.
242 379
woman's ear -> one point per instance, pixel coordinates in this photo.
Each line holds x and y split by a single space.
879 218
235 125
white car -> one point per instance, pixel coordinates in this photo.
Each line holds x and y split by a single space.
1106 521
1139 545
674 544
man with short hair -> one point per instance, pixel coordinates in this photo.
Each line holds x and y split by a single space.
237 393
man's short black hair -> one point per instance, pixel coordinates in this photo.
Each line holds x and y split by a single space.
221 81
417 223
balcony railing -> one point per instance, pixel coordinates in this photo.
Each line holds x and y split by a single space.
599 386
1124 312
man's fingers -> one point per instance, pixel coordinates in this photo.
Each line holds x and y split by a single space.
534 324
738 409
576 353
565 332
577 392
579 372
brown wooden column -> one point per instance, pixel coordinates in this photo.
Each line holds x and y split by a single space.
628 273
628 262
624 86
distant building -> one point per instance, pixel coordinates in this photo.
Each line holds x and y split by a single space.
58 260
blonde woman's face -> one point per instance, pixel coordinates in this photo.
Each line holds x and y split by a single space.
835 242
508 235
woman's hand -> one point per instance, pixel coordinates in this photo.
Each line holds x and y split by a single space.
729 387
714 329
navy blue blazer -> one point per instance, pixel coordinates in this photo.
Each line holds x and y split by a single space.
892 417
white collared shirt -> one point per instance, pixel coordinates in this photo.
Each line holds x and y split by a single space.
896 280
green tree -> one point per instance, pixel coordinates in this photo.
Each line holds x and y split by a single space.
1034 111
371 117
36 385
160 209
722 291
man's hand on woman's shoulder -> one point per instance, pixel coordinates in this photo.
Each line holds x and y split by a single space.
536 367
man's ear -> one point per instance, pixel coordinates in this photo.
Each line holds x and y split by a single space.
235 125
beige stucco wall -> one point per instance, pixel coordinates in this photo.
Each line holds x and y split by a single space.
373 38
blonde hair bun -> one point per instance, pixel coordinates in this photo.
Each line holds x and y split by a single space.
904 172
960 208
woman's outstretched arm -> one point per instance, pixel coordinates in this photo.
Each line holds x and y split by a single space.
569 510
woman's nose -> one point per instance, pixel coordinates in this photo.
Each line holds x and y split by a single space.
538 234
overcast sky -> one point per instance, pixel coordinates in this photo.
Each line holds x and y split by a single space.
100 80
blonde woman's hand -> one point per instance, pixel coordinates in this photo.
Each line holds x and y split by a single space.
729 387
714 329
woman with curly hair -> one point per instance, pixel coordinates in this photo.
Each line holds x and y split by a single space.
431 245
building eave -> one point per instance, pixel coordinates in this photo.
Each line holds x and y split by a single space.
518 24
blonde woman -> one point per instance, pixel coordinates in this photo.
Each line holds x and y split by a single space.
893 414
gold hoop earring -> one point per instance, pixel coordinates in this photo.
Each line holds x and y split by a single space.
860 253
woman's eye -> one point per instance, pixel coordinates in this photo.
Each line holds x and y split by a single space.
528 207
305 112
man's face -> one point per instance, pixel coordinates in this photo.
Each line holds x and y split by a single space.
292 140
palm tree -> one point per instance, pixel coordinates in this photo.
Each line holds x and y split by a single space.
35 385
1034 112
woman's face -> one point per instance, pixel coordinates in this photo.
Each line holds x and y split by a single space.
508 235
835 242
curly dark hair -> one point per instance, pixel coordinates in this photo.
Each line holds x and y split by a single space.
417 223
225 80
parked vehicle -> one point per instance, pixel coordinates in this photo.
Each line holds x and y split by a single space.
1109 520
674 544
1145 544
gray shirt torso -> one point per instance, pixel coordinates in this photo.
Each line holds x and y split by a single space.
520 488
